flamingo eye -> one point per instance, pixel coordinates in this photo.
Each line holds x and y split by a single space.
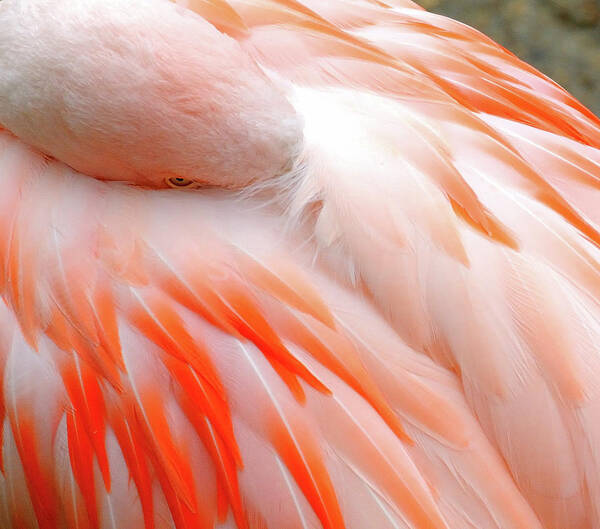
176 181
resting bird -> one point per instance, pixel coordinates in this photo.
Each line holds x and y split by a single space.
371 302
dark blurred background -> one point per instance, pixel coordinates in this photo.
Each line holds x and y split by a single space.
559 37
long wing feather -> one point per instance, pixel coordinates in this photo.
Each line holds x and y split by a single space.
458 186
223 371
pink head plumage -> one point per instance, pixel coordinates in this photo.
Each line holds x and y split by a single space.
149 91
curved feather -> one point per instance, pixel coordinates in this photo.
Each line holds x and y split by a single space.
203 396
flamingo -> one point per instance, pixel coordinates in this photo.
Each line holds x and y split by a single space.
292 264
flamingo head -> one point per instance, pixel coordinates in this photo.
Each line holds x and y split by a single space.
141 91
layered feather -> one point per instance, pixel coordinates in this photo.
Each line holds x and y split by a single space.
231 379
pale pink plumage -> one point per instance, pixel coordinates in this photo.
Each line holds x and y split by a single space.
399 332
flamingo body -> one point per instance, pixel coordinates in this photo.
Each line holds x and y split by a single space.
391 321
